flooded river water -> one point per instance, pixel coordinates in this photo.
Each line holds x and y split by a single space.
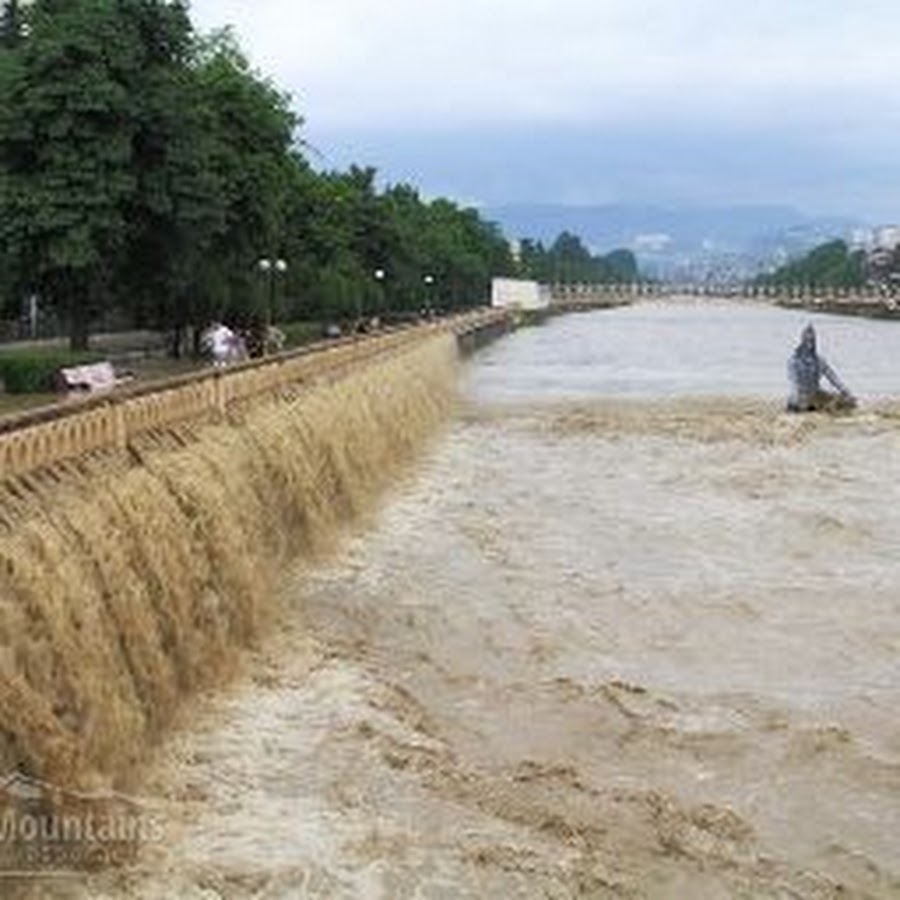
625 630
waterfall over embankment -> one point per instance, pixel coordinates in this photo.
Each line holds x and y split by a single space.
133 575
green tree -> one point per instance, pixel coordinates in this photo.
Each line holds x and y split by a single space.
253 153
147 171
346 230
66 129
831 264
621 266
94 146
179 204
10 24
568 261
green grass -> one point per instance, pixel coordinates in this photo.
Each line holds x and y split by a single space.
31 371
298 333
14 403
27 373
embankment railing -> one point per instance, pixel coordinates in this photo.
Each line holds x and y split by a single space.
60 431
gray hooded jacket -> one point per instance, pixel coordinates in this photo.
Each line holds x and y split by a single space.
805 370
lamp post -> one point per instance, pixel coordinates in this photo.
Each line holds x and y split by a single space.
32 313
271 269
380 302
428 280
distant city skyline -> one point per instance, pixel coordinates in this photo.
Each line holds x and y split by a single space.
586 102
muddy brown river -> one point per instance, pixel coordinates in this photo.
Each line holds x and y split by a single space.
625 630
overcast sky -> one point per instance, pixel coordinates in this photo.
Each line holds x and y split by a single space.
702 102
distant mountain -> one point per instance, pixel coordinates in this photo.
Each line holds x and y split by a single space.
609 227
686 240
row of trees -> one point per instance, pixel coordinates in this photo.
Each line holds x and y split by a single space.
568 261
832 264
146 171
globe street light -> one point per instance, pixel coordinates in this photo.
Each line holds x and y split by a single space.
271 268
429 284
380 296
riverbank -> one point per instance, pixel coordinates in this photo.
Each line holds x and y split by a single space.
866 307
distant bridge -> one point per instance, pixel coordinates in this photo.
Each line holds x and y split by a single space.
867 301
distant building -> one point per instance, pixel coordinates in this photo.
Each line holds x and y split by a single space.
652 243
883 254
515 293
861 238
887 237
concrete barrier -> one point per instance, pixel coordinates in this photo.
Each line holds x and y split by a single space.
46 436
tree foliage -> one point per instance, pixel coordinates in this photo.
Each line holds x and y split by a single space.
831 264
66 131
146 171
10 24
568 261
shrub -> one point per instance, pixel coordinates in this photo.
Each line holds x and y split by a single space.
32 371
298 333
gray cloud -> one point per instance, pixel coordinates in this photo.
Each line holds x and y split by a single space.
682 97
596 165
354 62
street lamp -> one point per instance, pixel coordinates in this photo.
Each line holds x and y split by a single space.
429 284
380 296
271 268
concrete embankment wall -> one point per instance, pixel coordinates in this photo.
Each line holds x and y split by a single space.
846 306
142 541
43 437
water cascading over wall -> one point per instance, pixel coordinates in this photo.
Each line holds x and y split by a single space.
130 577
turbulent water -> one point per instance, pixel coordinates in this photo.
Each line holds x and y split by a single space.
627 630
130 579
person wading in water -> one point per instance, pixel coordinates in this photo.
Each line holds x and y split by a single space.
805 370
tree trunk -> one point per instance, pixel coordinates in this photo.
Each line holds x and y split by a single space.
177 340
79 333
79 322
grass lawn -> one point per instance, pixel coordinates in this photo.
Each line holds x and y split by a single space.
149 368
